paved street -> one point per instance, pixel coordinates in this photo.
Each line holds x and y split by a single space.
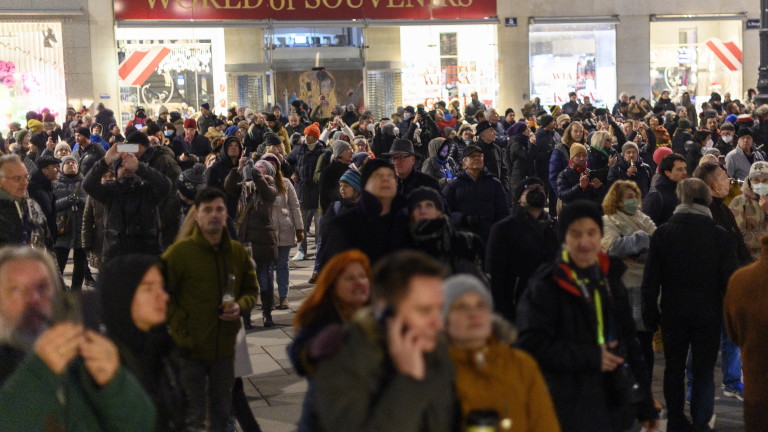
276 392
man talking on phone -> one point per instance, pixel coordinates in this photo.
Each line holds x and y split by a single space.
62 377
392 359
132 202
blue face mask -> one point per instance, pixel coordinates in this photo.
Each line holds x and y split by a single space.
629 206
168 133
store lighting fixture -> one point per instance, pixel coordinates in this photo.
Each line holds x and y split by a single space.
604 19
700 17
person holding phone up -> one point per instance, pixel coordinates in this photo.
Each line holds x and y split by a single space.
576 181
132 201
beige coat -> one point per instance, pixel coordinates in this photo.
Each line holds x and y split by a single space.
286 214
617 227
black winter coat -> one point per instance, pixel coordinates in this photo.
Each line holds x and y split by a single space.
724 217
679 140
133 221
329 183
541 152
218 172
520 160
415 180
598 163
661 201
70 211
303 161
493 157
558 326
689 261
87 158
642 177
517 246
40 189
462 252
568 188
364 228
476 204
200 147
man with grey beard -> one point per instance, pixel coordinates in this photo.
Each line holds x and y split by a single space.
58 377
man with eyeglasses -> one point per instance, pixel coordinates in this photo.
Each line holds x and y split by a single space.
21 218
403 158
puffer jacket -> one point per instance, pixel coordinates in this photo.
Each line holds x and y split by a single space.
87 158
303 161
287 215
254 214
476 204
69 212
94 218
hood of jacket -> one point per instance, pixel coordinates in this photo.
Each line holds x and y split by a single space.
436 144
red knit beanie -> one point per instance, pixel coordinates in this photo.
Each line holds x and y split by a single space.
313 129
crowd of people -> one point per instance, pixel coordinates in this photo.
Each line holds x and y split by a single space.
470 270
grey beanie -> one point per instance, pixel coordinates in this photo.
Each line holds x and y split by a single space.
339 146
270 168
456 286
66 158
628 145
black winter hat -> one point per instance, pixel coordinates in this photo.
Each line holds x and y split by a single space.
468 150
84 131
525 184
271 139
576 210
483 125
425 193
44 161
372 165
545 120
191 181
137 137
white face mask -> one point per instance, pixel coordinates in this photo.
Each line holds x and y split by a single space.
369 127
760 188
406 115
727 138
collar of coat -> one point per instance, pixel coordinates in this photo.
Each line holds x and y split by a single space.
565 274
225 245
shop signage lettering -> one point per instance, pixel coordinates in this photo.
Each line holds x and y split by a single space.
302 9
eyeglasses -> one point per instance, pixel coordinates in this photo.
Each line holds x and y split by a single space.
15 179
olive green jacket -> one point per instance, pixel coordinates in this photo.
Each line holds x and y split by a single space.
196 276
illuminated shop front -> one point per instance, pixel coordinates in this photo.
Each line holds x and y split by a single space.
698 56
446 62
31 69
178 68
573 57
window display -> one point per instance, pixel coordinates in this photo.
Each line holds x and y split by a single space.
446 62
31 69
577 58
179 72
698 57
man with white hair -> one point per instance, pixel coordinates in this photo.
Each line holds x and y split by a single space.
623 97
58 377
21 218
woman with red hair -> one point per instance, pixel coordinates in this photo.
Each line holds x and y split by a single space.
343 287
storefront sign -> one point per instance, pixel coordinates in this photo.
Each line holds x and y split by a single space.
510 22
302 9
753 24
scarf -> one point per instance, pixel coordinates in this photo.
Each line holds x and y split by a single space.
578 168
699 209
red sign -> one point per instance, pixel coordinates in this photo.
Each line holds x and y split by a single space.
138 66
302 9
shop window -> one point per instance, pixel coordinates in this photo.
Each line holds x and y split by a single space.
577 58
177 74
303 37
698 57
446 62
31 70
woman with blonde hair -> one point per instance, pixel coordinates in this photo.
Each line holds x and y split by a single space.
574 133
626 235
342 288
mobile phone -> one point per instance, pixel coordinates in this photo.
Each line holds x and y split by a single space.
139 126
67 308
127 148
